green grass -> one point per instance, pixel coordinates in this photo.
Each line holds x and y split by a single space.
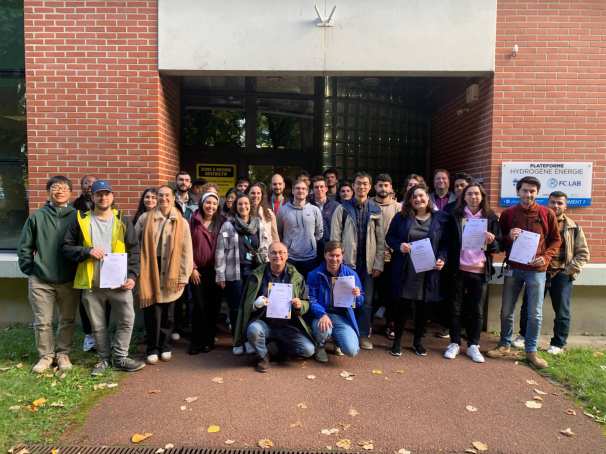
20 387
578 369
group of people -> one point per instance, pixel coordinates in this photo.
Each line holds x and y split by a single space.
189 247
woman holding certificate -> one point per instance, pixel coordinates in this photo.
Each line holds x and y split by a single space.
419 238
478 236
237 255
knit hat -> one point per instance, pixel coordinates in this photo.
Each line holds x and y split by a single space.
206 195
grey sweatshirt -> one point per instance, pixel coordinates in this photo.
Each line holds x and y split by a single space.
300 229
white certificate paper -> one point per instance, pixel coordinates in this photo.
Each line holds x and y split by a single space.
474 234
280 301
422 256
113 270
342 291
524 248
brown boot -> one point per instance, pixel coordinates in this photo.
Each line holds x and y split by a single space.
536 360
499 352
263 364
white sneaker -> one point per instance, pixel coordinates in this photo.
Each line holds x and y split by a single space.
452 351
166 356
473 351
175 336
519 342
89 343
553 350
238 350
152 359
249 349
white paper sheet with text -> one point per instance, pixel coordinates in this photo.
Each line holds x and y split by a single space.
474 234
342 291
524 248
422 256
113 270
280 301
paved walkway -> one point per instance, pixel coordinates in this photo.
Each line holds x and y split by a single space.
408 402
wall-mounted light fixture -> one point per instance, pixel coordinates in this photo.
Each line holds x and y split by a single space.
514 51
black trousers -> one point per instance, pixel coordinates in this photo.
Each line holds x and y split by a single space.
206 305
467 307
159 321
401 311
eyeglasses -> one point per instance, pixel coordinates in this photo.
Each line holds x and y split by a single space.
277 252
59 188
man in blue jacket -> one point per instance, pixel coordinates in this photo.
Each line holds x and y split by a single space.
328 320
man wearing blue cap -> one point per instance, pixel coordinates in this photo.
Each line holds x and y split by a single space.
93 236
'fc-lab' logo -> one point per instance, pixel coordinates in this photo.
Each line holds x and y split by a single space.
552 182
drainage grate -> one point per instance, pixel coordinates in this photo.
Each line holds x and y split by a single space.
40 449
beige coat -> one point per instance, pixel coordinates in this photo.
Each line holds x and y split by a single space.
575 244
268 232
163 240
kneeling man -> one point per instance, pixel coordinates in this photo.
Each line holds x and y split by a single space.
333 312
281 323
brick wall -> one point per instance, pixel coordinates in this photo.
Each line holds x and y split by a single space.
550 100
96 103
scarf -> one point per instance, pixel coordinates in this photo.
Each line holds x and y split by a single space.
246 229
150 286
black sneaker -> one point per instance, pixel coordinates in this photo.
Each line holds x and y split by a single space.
321 356
100 368
419 350
127 364
396 350
263 364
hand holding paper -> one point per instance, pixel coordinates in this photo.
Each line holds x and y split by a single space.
422 256
280 301
113 270
343 291
525 247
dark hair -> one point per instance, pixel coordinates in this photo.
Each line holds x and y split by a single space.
181 172
407 208
229 192
207 186
463 176
533 181
234 207
384 177
318 178
303 173
215 221
559 194
84 177
332 170
263 205
199 182
172 190
344 184
411 176
58 179
459 210
141 208
362 174
332 245
242 179
435 172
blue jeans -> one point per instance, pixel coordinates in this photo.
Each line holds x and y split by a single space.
560 291
364 313
288 337
344 335
535 292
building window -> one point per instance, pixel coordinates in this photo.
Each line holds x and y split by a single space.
13 143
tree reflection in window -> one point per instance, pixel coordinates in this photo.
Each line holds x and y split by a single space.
214 128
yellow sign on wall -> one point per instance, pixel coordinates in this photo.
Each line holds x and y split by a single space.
223 175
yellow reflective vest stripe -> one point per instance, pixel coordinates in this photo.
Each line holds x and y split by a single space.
86 269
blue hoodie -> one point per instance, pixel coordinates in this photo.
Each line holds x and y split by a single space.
300 230
318 283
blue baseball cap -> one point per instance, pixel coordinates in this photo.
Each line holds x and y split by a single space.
101 185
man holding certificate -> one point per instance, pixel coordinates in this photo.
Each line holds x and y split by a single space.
531 239
271 316
334 292
106 249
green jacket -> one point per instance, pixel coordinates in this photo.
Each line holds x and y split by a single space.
39 248
251 288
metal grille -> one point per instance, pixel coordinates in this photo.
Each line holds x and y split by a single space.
41 449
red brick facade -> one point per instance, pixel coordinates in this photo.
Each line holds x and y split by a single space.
96 103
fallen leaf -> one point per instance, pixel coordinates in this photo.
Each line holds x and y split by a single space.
330 431
39 402
377 372
471 408
470 451
138 438
480 446
531 382
54 451
57 405
213 429
537 398
302 405
154 391
183 407
98 386
344 443
399 371
15 408
189 400
296 424
169 446
603 367
347 375
217 380
311 377
159 451
265 443
367 445
516 363
538 391
571 412
568 432
18 449
598 354
112 385
19 365
5 369
589 415
229 442
533 404
344 426
403 451
353 412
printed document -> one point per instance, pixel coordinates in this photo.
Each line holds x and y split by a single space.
525 247
280 301
422 256
342 291
113 270
474 234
